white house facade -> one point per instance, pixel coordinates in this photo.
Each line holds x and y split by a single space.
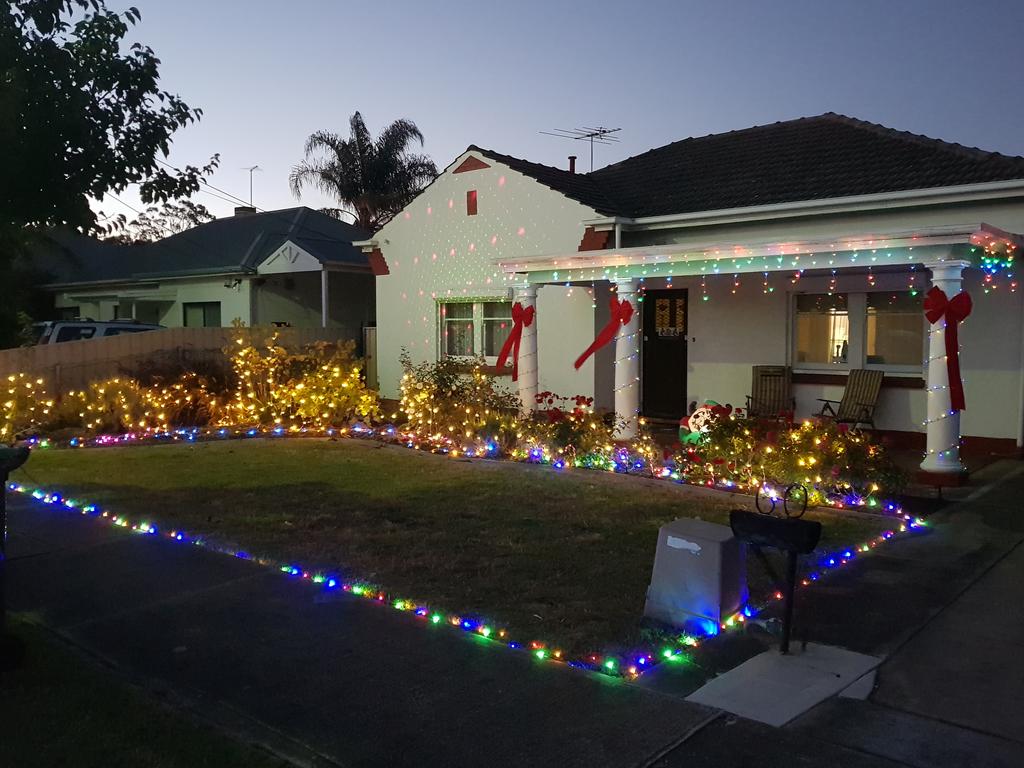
445 295
810 244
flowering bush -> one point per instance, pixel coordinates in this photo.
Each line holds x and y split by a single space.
568 426
836 465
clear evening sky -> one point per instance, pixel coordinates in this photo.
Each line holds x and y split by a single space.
268 73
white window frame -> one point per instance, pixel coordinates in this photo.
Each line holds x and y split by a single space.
856 355
478 326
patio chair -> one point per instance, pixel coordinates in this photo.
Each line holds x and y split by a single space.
859 399
771 394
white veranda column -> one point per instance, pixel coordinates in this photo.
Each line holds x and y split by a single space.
627 364
325 299
942 425
528 373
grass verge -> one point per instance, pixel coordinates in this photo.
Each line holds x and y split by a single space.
60 710
562 557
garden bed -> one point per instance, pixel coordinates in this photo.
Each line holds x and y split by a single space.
563 556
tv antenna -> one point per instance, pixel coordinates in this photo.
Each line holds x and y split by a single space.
250 170
599 134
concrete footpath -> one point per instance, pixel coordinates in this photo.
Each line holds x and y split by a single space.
342 681
946 610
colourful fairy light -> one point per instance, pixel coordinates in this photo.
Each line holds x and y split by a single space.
614 665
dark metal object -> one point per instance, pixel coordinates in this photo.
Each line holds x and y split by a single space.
600 134
10 459
788 534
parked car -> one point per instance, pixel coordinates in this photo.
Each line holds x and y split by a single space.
56 331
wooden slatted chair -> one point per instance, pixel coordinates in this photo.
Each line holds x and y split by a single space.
859 399
771 393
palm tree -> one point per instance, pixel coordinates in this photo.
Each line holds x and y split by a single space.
372 179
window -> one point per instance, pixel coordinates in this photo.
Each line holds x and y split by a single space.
471 203
124 329
884 330
895 331
76 332
470 328
822 329
459 331
201 314
67 313
497 326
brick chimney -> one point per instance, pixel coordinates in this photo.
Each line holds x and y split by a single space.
572 163
244 210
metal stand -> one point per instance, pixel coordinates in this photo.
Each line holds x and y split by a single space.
787 615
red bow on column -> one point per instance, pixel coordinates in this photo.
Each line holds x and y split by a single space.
622 313
937 305
520 318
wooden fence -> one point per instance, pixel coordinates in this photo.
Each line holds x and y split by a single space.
73 364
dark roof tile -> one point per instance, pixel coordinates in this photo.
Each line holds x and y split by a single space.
230 244
812 158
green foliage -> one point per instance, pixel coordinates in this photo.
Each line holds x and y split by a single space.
24 407
836 464
320 385
83 117
373 178
156 223
91 118
446 401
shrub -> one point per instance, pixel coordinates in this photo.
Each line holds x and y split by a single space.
445 404
567 426
836 465
119 404
26 406
319 385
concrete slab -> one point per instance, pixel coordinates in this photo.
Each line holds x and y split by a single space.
861 688
731 742
966 666
905 738
773 689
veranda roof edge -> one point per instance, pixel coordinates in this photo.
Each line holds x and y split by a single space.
849 251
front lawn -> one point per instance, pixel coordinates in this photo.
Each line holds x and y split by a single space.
560 556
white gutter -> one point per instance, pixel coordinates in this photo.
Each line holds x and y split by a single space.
913 197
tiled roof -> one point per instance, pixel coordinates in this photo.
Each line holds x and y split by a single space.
230 244
812 158
579 186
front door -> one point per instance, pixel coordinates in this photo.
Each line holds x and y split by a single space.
664 358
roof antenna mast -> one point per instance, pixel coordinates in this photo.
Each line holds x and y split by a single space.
250 170
600 134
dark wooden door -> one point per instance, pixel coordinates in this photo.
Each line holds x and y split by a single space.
664 358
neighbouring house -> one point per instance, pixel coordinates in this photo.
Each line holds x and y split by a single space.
810 244
294 267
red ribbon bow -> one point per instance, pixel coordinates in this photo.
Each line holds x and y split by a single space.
520 318
937 305
622 313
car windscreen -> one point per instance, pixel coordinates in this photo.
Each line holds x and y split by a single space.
76 332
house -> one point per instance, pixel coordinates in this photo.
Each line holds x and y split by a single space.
810 243
295 267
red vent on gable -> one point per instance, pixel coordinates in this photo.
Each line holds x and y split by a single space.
471 203
471 164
